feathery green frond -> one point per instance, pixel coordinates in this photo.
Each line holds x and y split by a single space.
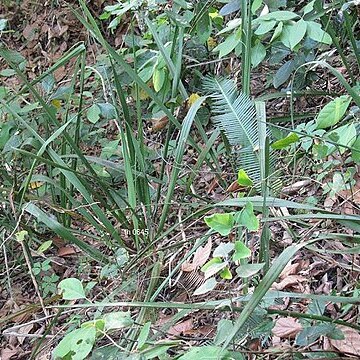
235 115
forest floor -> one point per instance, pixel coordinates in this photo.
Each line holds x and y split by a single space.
43 33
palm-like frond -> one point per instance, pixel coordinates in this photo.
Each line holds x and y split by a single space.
235 114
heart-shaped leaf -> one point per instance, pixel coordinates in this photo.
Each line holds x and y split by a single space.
71 289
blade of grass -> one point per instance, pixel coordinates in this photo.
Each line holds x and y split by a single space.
179 153
78 183
63 232
262 288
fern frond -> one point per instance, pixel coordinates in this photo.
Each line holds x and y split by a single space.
235 114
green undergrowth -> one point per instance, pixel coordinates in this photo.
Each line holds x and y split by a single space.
84 170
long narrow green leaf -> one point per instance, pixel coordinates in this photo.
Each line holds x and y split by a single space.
183 137
263 287
63 232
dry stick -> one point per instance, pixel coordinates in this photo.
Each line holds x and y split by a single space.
28 263
7 271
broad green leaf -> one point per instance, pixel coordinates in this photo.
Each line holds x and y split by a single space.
203 27
78 342
312 333
107 110
4 134
355 153
283 73
315 32
230 7
7 72
308 7
243 178
214 260
247 218
347 136
277 31
146 72
255 5
207 286
293 34
117 320
248 270
71 289
258 53
231 25
226 274
279 16
229 44
158 78
223 328
265 27
93 114
333 112
20 236
214 268
241 251
44 246
98 324
222 223
282 143
223 250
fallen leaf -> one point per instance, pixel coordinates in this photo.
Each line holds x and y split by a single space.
351 343
66 251
200 257
24 330
7 354
290 269
181 328
286 327
289 281
29 32
159 123
294 188
234 186
215 183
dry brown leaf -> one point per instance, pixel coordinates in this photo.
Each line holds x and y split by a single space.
66 251
7 354
24 330
200 257
159 123
351 343
289 281
294 188
234 186
215 183
286 327
29 32
181 327
290 269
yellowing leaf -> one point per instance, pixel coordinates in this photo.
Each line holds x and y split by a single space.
211 43
192 98
35 185
56 103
